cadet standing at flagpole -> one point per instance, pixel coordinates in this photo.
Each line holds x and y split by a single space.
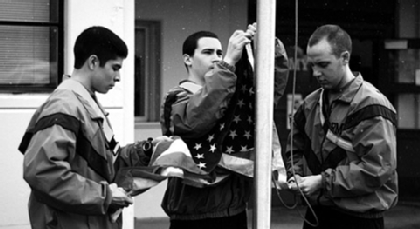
343 155
213 111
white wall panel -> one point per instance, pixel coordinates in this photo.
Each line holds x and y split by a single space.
16 110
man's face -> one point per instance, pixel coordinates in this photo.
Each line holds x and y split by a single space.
104 78
328 69
207 53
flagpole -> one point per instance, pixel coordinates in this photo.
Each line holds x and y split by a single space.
265 44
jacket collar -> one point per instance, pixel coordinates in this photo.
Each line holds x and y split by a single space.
348 92
93 107
190 86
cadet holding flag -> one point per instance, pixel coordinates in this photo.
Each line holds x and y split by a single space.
213 112
71 157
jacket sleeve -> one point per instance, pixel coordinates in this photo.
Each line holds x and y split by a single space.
281 72
47 170
194 115
374 162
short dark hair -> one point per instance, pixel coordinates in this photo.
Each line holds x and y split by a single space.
101 42
190 44
338 38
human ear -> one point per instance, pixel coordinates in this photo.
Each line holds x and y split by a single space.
187 60
346 57
93 61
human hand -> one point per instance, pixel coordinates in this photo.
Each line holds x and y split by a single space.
279 50
120 198
308 185
236 44
293 185
251 31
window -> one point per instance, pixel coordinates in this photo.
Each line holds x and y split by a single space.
147 71
404 64
30 45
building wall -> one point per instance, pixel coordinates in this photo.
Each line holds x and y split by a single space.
180 18
16 110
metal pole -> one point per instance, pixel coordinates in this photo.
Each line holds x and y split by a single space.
266 26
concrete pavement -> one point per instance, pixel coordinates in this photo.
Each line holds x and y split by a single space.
406 215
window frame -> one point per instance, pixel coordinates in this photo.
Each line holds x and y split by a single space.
54 79
390 85
152 72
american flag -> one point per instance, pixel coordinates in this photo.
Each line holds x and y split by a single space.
230 144
234 133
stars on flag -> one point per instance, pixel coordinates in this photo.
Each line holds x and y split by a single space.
237 119
237 128
201 165
212 148
232 134
240 103
247 134
244 89
251 91
210 138
197 146
229 150
250 119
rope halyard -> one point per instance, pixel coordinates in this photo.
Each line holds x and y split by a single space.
292 128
